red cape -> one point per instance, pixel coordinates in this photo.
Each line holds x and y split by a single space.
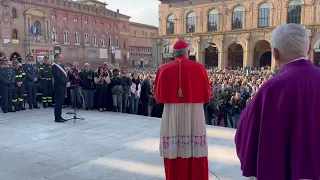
194 82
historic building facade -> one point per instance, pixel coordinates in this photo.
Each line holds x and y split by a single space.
227 33
141 43
83 30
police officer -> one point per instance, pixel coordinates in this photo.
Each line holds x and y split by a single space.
17 94
46 82
32 78
61 83
7 79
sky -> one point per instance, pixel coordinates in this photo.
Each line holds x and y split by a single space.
142 11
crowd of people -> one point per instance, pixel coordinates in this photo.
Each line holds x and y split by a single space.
125 90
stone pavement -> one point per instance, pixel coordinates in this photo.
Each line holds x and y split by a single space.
106 146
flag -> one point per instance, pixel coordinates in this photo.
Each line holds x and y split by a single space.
35 30
31 30
113 49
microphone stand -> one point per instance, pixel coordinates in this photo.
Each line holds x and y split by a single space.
75 111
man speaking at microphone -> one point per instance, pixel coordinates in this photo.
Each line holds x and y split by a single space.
61 83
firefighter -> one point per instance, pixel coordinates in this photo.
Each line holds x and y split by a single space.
46 81
7 79
17 94
32 78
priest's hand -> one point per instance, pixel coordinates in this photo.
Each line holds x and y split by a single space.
68 85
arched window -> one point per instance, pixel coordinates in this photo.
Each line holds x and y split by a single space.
294 12
238 17
86 39
110 41
191 22
103 43
213 20
117 42
95 42
66 37
54 35
77 38
14 34
14 13
264 15
170 24
37 28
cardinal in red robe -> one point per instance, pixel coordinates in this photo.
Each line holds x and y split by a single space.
183 86
278 136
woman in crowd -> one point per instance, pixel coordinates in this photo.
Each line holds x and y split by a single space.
101 81
135 93
145 96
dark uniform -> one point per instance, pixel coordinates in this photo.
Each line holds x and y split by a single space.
60 79
32 77
17 93
46 82
7 80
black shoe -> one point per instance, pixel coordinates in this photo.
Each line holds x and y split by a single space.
17 109
62 119
92 108
44 105
50 105
11 110
5 112
22 108
87 108
59 121
30 107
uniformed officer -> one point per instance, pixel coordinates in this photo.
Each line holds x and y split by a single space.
46 82
7 79
17 94
61 83
32 79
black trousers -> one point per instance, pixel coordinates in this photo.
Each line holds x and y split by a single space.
6 98
17 95
47 91
32 93
59 96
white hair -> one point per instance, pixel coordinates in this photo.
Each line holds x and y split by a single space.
86 64
180 52
291 40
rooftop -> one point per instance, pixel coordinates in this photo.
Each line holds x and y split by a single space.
106 146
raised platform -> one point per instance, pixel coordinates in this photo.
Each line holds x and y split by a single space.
106 146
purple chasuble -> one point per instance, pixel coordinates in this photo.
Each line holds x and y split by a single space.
278 137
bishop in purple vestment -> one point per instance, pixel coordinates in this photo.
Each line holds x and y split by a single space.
278 137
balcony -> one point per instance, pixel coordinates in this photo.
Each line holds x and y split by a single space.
38 40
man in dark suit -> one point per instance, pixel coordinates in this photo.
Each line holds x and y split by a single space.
61 83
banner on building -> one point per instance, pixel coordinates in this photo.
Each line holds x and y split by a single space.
103 53
92 53
118 54
39 52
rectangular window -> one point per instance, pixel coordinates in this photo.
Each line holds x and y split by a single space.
294 14
75 20
191 28
237 20
264 17
213 22
64 18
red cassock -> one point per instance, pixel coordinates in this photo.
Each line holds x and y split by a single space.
183 143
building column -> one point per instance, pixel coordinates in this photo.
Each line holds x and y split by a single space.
247 55
273 62
198 52
311 56
222 57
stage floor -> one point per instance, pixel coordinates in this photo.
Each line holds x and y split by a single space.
106 146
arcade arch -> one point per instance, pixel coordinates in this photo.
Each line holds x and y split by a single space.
211 55
262 54
235 55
